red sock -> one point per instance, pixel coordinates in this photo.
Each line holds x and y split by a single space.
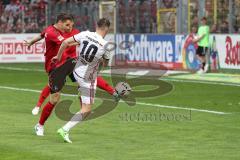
47 110
44 94
101 83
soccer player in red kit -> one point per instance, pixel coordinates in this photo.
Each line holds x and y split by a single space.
53 37
69 53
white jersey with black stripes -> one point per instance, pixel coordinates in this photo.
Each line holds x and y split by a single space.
91 50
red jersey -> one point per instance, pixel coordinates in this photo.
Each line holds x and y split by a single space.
69 52
53 40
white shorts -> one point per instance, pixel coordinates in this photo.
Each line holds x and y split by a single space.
87 89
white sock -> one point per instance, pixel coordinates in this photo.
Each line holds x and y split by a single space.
39 125
73 122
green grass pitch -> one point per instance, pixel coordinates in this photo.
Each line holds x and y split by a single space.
194 135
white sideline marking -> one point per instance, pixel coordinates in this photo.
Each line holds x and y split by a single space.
106 74
139 103
21 69
199 81
192 81
182 108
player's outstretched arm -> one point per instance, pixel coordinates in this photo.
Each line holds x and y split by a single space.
33 40
198 38
66 43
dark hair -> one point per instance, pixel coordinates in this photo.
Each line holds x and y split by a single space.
226 22
103 22
204 18
194 26
63 17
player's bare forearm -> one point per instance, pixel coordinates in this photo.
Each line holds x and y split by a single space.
33 40
73 44
63 46
36 39
66 43
198 39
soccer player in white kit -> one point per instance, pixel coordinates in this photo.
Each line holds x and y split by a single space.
91 52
